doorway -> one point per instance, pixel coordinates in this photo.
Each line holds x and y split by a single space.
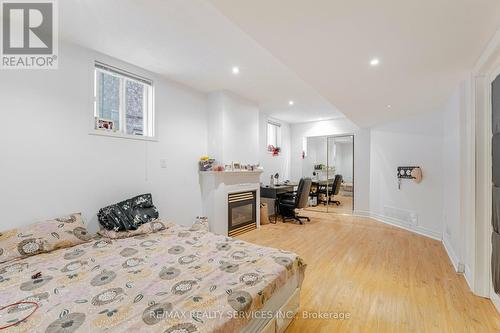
495 186
479 135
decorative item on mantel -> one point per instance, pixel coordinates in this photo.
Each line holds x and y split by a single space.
274 150
218 168
206 163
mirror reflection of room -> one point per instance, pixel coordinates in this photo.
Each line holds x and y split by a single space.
328 161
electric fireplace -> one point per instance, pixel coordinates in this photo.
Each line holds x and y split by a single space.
242 212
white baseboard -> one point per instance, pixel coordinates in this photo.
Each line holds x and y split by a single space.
400 224
495 299
469 278
363 213
451 253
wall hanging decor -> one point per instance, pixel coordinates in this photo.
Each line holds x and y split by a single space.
409 172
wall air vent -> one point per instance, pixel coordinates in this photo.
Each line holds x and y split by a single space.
405 216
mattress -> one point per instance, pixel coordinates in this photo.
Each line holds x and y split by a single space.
281 305
179 279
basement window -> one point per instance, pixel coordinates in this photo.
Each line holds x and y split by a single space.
123 103
273 137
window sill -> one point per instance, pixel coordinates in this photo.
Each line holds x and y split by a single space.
122 136
272 154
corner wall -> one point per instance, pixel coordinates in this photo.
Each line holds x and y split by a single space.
452 232
378 152
51 166
233 129
274 164
414 141
458 185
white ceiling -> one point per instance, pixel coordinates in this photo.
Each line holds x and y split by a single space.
314 52
193 43
425 48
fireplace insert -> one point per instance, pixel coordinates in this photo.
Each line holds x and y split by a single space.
242 212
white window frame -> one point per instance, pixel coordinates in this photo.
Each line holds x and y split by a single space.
149 124
278 133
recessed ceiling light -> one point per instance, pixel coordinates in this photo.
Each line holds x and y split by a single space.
374 62
389 106
236 70
291 102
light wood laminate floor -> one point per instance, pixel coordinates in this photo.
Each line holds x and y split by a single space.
386 278
344 207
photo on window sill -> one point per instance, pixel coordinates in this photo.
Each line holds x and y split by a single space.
123 103
107 125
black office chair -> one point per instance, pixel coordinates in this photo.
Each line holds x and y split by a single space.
323 190
330 190
289 202
314 193
335 189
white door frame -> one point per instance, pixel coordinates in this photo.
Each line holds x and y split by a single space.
487 68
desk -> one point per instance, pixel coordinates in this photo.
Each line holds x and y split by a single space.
323 182
317 187
274 192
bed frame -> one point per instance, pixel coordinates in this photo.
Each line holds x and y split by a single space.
285 303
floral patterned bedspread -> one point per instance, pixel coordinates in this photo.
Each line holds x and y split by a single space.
181 279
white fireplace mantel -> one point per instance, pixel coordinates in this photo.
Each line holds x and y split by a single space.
215 187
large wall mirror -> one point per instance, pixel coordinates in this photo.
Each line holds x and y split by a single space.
329 162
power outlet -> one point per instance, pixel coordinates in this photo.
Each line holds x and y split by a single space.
163 164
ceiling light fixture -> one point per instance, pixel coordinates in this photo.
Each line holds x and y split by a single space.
291 102
389 106
236 70
374 62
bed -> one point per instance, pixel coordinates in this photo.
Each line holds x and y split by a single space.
180 279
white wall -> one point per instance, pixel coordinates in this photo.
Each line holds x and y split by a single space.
437 207
339 126
274 164
241 131
51 166
451 176
233 129
316 154
458 229
377 154
343 160
215 111
411 141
